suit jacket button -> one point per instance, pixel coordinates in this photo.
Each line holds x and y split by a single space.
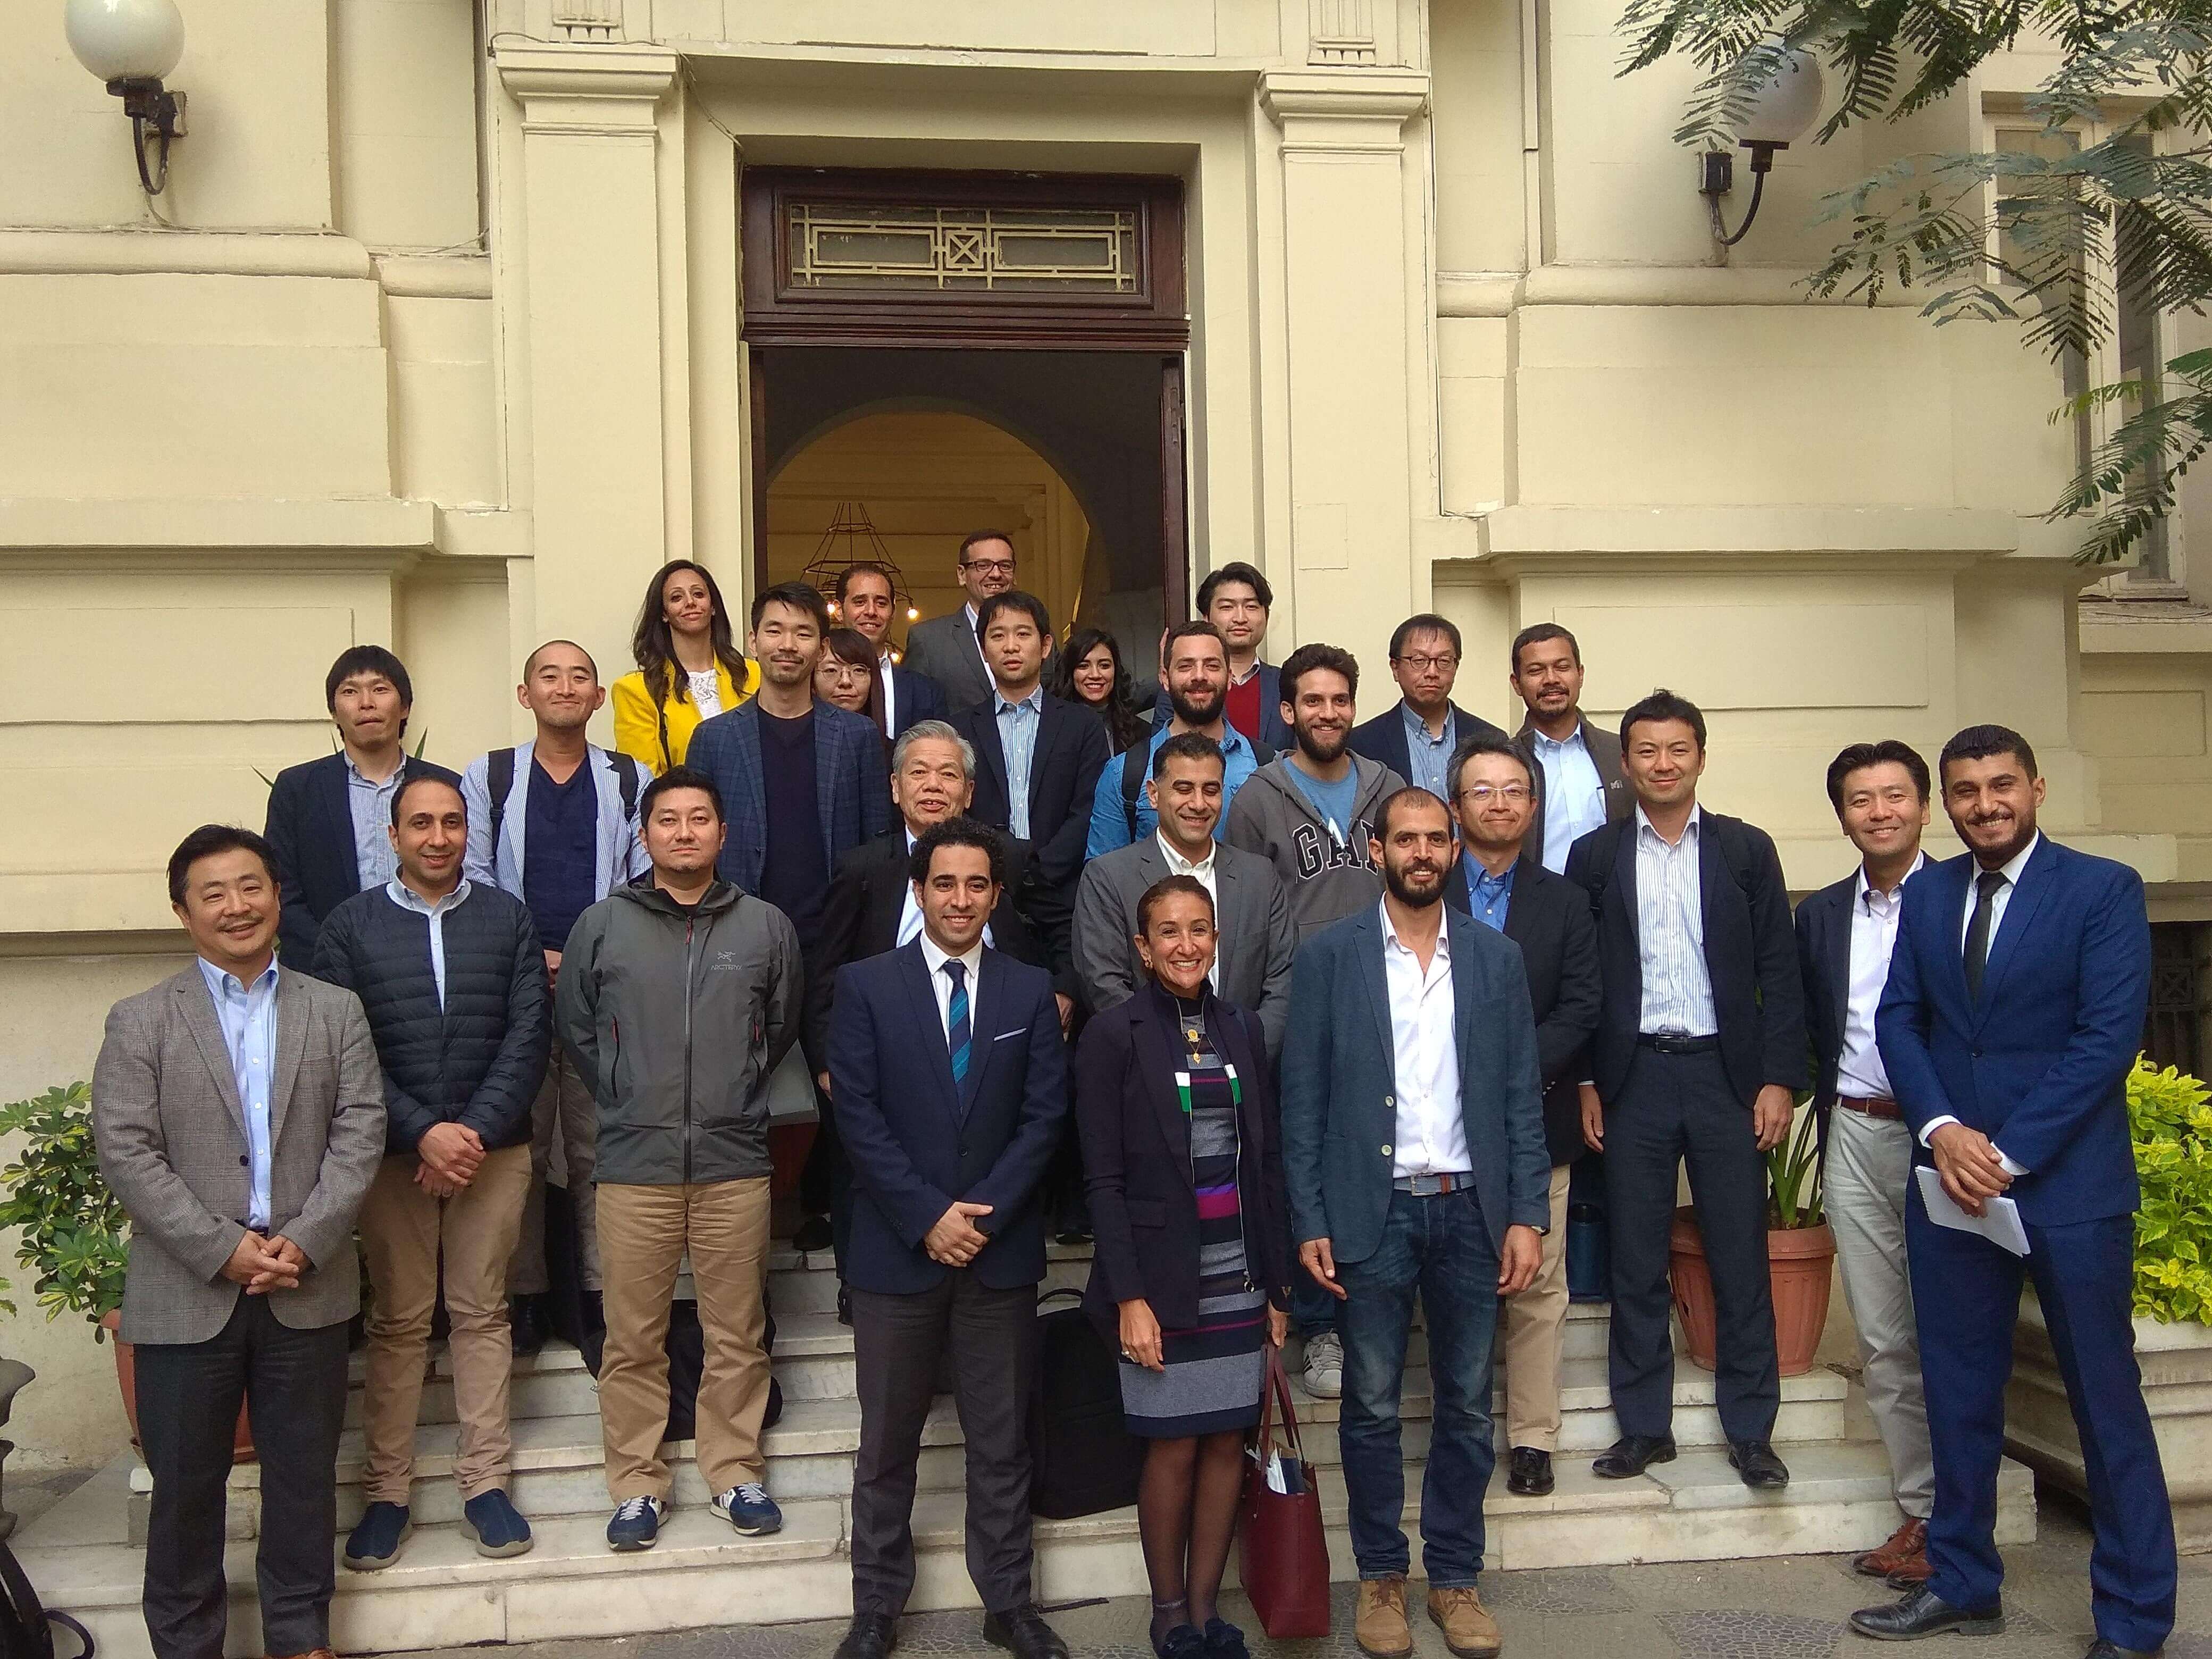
243 1161
1385 1151
1977 1054
1387 1101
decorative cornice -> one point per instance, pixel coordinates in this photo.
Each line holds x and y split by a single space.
1341 108
1519 541
586 88
134 250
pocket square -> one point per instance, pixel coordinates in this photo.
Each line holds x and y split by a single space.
1003 1035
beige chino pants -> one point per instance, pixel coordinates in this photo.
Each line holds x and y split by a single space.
1535 1335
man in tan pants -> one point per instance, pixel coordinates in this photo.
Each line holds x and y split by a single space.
453 983
695 986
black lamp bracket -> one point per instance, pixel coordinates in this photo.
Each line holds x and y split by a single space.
157 111
1717 177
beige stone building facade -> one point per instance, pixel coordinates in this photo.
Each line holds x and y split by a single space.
456 320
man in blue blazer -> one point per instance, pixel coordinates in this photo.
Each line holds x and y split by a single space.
2014 1005
1418 736
1412 1112
949 1080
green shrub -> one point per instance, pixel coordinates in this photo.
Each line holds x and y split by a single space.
72 1226
2173 1129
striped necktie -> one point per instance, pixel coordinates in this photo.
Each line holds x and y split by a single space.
958 1034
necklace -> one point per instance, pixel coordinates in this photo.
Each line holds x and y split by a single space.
1193 1019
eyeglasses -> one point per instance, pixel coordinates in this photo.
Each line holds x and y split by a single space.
1423 665
990 566
1483 793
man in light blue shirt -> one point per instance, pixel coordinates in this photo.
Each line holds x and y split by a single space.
1195 674
248 1016
1416 738
1579 783
1017 731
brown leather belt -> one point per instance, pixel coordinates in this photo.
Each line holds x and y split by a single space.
1877 1106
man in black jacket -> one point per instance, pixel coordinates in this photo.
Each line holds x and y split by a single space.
329 819
1493 797
453 983
1700 1050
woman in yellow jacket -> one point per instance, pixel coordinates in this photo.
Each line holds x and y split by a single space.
689 667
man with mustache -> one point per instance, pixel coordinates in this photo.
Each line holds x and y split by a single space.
1414 1151
2014 1005
1579 784
1194 688
866 598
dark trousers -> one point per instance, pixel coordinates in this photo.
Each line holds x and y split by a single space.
1674 1108
825 1182
1441 1247
294 1384
1966 1297
897 1342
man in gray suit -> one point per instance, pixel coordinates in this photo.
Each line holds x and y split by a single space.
238 1112
1413 1153
1258 937
945 647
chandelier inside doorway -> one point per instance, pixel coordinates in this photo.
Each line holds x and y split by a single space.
852 539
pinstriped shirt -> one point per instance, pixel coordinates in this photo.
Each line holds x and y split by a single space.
1018 736
1670 931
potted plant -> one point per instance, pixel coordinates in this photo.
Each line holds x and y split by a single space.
72 1226
1800 1248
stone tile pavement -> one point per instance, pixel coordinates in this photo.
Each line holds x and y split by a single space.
1789 1607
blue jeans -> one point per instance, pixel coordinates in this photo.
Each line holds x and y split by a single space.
1441 1247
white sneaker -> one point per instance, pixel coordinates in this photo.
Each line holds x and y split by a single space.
1325 1365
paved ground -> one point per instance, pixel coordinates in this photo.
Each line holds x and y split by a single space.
1789 1608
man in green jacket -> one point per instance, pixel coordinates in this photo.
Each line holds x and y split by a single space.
678 997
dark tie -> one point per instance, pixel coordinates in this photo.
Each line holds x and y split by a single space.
1987 886
956 1031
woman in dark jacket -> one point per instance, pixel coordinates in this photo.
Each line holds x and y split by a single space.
1191 1277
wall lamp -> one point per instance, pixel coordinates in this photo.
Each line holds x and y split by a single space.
1782 109
130 45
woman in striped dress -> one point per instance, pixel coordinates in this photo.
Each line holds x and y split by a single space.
1190 1278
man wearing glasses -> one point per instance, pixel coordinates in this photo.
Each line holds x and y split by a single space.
945 647
1418 738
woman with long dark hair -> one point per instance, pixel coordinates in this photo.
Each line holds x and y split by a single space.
1090 671
845 674
689 667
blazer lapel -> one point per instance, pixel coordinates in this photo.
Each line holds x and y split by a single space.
1051 728
828 753
1836 947
992 753
291 1050
1157 1064
746 735
200 1019
2035 882
1712 871
1228 923
1378 990
887 892
337 812
915 971
990 992
1624 880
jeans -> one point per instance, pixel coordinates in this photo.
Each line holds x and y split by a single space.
1441 1247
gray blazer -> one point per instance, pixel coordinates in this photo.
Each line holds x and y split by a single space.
945 649
1258 935
170 1131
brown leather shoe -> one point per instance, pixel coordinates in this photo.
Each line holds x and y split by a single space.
1380 1629
1908 1544
317 1653
1469 1630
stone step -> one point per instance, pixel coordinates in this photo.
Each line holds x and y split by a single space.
440 1594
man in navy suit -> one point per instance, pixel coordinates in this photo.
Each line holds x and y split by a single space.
1418 736
866 598
950 1082
2015 1002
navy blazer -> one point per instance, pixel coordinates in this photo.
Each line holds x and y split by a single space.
310 827
1823 923
916 1142
1382 740
1071 752
2040 1065
1340 1065
1274 732
851 785
916 697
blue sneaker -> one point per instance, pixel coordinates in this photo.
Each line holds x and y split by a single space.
497 1525
750 1509
636 1523
375 1544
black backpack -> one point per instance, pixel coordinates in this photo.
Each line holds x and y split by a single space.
1083 1460
26 1626
1136 766
499 783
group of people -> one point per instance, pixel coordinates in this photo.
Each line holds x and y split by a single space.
1298 1018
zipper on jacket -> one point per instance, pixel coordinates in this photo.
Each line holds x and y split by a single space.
690 958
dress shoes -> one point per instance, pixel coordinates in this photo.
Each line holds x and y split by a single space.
812 1235
526 1324
1023 1632
1530 1473
2101 1648
870 1636
1631 1455
1754 1460
1923 1612
1903 1560
1379 1626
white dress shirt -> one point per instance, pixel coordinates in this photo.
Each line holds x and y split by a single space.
1424 1047
1998 901
941 983
885 678
1859 1070
408 899
909 927
1670 931
1202 874
1574 793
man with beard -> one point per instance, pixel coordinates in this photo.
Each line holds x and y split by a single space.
950 649
866 599
1579 784
1310 814
1414 1153
1194 675
2014 1007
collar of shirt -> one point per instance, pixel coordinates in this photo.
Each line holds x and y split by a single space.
1245 678
1417 727
1547 745
219 979
1034 703
360 780
1861 899
1479 878
1643 827
2013 865
972 959
1390 941
408 899
1180 865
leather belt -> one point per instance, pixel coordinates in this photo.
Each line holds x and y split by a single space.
1676 1042
1434 1186
1871 1105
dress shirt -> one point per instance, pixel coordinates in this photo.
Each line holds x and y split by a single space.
247 1015
1874 914
408 899
1998 901
1574 793
1487 895
909 927
886 679
1424 1053
1017 735
1202 874
1429 757
1670 932
941 983
370 803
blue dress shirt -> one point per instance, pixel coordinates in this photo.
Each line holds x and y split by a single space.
247 1015
374 860
408 899
1428 758
1487 895
1574 794
1017 730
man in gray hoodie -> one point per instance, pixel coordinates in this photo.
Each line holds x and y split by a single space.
678 997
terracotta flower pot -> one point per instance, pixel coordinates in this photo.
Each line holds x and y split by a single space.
1798 1262
126 1377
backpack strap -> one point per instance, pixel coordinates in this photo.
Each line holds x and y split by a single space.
27 1625
625 771
1134 761
499 782
1261 755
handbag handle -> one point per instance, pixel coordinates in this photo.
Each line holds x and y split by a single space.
1053 1296
1277 1389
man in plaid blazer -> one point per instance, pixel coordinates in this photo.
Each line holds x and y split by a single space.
238 1112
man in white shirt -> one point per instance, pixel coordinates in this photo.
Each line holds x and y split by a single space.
866 597
1579 782
1845 933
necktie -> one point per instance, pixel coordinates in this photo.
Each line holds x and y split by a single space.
956 1031
1987 885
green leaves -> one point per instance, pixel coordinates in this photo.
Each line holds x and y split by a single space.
72 1226
2171 1124
1793 1176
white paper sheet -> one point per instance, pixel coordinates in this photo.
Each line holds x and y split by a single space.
1999 1222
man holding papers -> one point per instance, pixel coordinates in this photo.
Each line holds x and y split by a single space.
2014 1005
